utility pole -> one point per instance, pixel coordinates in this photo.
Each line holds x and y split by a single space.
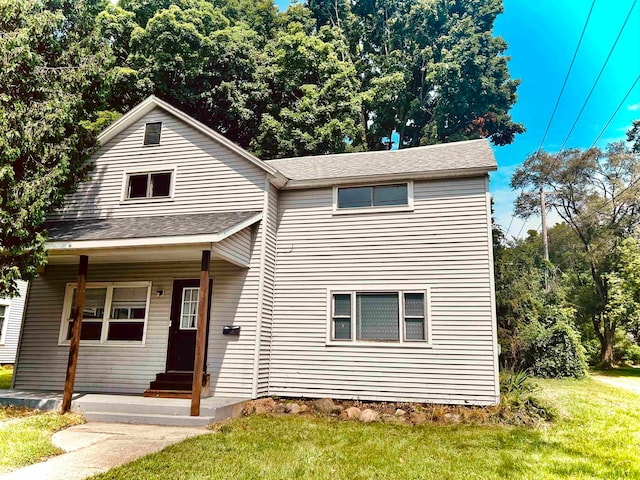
545 239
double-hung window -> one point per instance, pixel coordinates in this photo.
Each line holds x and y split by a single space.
112 313
380 316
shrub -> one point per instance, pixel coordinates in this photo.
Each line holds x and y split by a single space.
518 404
556 352
626 350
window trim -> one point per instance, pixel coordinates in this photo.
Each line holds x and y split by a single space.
67 307
144 134
124 199
3 332
391 208
400 290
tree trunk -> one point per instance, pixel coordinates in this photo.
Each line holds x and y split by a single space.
606 347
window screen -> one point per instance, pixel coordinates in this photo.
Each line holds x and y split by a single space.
342 316
414 316
385 195
354 197
377 316
152 133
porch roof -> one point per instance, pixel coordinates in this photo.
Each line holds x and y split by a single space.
189 228
152 238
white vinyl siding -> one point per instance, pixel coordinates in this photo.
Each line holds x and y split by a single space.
14 309
208 176
268 291
443 245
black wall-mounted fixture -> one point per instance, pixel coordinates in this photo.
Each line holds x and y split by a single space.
230 330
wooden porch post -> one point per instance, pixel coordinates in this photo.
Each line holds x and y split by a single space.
75 334
201 333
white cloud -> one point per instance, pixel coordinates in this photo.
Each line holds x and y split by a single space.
633 107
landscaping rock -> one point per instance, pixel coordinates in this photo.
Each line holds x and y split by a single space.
400 413
280 408
337 409
304 408
418 418
292 408
324 405
263 406
368 416
351 413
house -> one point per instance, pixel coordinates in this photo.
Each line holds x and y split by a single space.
354 276
11 311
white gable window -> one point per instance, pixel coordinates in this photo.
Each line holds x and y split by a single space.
149 185
381 317
377 198
152 133
113 313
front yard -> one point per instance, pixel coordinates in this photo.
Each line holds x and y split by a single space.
597 435
25 435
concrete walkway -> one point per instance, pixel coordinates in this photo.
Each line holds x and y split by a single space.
96 447
632 385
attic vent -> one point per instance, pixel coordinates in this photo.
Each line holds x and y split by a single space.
152 133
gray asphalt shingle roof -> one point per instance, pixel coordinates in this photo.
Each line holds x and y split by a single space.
145 227
470 154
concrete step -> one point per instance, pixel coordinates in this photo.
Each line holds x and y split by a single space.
149 419
218 408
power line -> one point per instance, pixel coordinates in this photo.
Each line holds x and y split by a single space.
615 112
599 75
566 78
555 107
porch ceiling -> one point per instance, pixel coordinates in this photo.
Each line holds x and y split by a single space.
146 239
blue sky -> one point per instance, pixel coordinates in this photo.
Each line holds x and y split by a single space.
542 37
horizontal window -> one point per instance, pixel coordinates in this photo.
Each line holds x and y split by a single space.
373 196
395 316
152 132
112 312
149 185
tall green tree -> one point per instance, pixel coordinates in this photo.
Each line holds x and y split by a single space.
314 100
597 194
51 71
432 70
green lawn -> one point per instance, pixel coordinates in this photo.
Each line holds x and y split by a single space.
5 377
25 435
596 436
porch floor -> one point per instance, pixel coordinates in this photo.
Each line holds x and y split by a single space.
134 409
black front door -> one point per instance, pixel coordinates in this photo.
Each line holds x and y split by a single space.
184 318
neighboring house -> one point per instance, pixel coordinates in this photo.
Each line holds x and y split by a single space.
11 311
354 276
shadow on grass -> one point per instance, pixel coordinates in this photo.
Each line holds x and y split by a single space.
618 372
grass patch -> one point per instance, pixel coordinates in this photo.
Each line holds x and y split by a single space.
25 435
596 435
6 373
